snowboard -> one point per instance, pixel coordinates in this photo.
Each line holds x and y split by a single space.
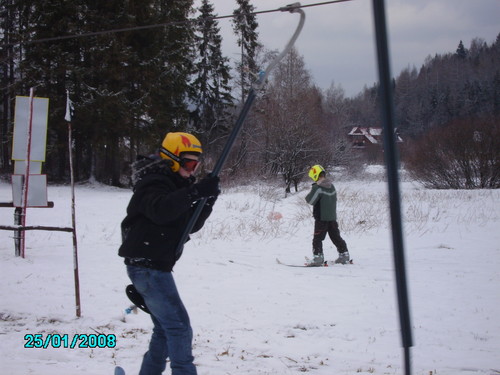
119 371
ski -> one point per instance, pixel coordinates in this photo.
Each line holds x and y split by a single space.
326 263
119 371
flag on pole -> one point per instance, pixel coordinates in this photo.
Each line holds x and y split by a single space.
69 108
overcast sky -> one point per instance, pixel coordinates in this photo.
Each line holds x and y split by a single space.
338 43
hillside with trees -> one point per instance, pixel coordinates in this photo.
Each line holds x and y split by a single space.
132 85
448 113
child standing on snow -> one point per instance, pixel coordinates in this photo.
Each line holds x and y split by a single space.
323 197
165 196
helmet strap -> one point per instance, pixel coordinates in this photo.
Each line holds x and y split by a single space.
170 155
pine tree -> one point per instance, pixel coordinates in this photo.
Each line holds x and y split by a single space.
245 26
141 76
46 67
461 51
211 90
8 17
173 64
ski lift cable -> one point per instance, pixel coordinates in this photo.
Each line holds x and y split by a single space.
158 25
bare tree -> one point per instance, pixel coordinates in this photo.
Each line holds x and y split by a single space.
465 154
290 122
338 122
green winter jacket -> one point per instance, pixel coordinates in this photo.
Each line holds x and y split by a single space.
324 199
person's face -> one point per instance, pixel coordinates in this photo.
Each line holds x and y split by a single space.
189 165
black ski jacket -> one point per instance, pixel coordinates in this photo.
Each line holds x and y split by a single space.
158 212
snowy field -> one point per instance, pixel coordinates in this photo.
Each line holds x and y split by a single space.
251 315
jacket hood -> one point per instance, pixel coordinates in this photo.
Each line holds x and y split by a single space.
145 165
325 183
155 165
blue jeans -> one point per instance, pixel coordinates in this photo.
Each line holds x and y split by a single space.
172 334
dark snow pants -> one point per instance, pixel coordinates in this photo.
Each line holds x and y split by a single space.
321 228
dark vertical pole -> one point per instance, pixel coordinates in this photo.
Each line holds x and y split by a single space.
391 160
17 233
217 168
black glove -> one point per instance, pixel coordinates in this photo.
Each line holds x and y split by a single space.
211 201
208 187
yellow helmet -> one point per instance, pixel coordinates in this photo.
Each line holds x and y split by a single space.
315 171
177 143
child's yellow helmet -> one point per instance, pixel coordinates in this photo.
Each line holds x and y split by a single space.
175 144
315 171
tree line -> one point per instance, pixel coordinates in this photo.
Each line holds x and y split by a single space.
130 87
448 114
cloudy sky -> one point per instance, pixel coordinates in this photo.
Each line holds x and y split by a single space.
338 43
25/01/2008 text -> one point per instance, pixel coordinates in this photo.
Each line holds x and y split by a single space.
77 341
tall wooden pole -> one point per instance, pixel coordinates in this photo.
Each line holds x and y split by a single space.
73 214
24 204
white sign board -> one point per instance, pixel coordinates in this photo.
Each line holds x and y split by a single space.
37 192
38 128
20 167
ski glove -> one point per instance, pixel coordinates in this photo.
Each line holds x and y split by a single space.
207 187
211 201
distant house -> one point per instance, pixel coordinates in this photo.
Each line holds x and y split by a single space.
370 140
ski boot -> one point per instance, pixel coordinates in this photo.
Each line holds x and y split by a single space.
343 258
317 261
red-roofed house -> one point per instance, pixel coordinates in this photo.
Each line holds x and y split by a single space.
369 139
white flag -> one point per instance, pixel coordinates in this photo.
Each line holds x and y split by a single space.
69 108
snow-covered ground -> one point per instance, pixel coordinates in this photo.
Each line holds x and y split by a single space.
251 315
